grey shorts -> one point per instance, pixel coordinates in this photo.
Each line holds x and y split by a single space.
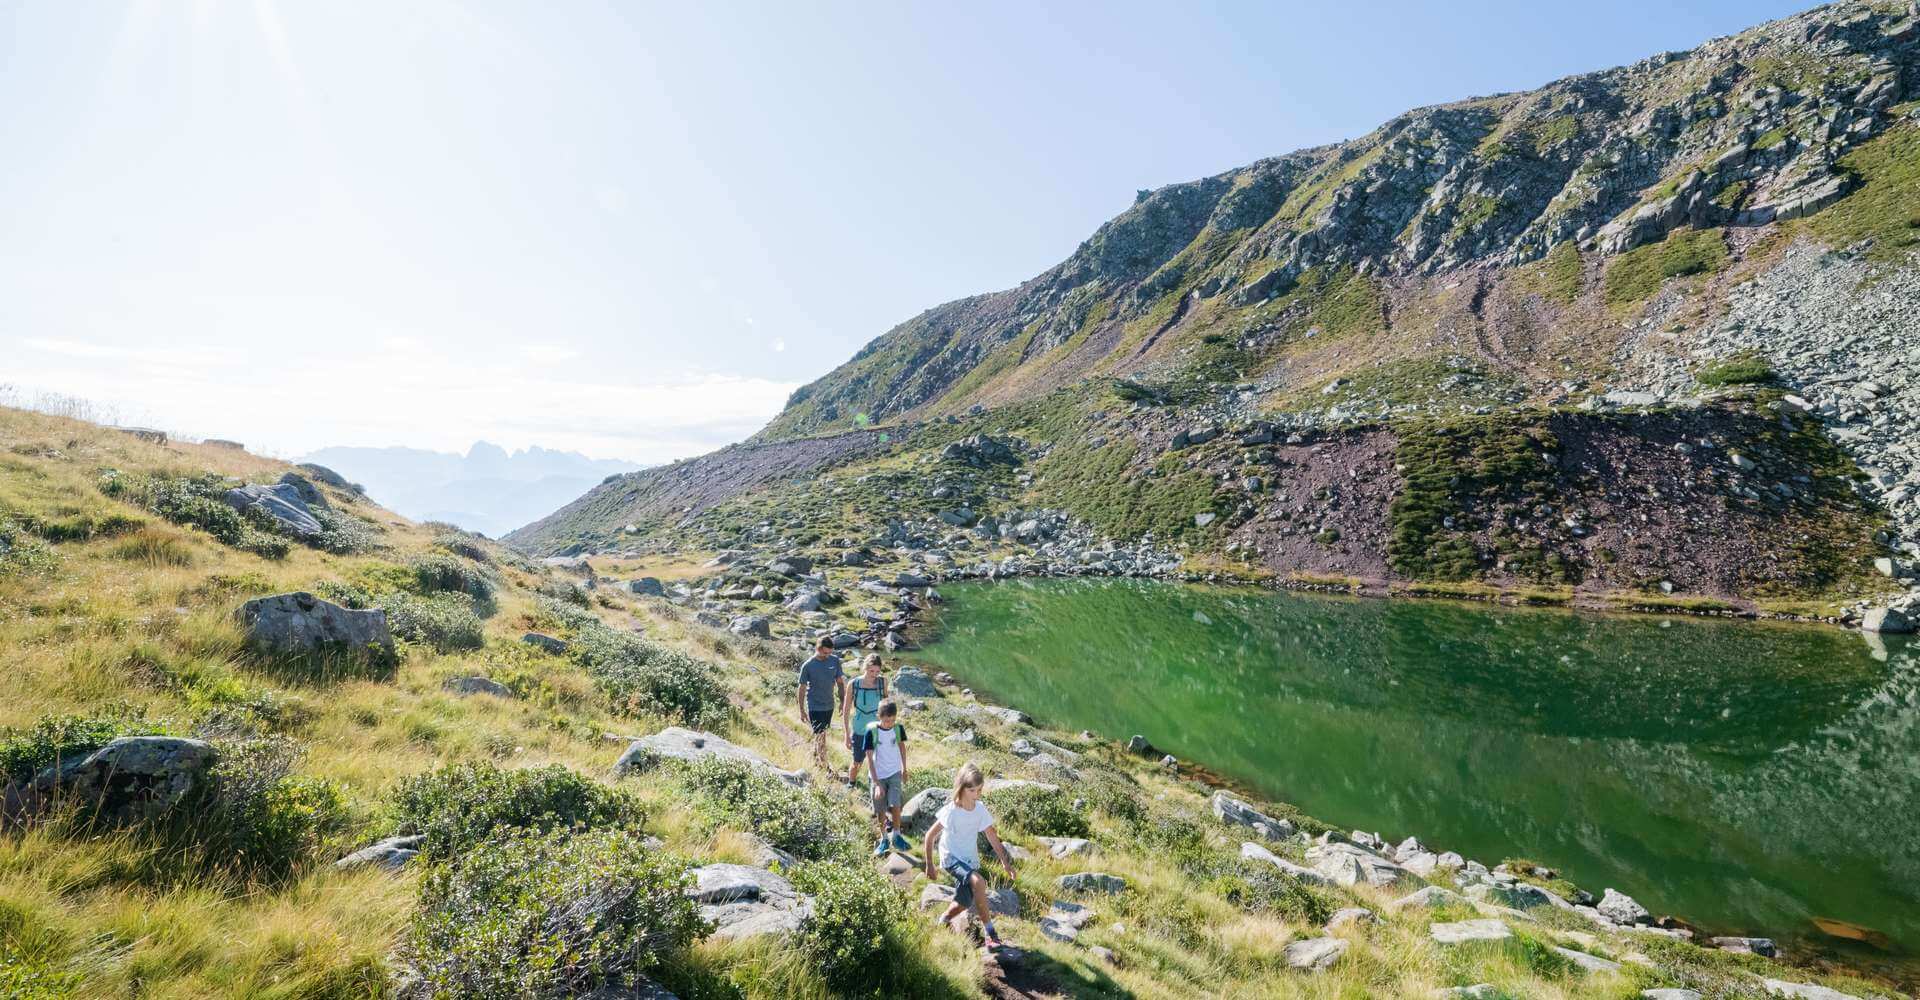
887 793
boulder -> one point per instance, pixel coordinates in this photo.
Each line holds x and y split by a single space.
1314 954
1065 847
914 683
691 745
1254 852
1350 916
1003 902
917 815
1138 744
391 854
911 580
1347 864
132 777
1590 963
1517 895
647 586
1092 882
545 642
325 475
1460 932
464 686
281 502
1886 621
1010 716
804 601
964 737
308 493
1764 947
1064 921
1237 812
302 623
1622 908
745 902
757 626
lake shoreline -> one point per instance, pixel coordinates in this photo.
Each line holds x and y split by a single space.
1891 966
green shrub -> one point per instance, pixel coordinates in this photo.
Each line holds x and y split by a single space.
460 805
20 552
446 622
258 817
1741 369
792 819
342 533
1635 275
1039 812
463 545
546 917
153 548
438 573
851 928
83 527
645 678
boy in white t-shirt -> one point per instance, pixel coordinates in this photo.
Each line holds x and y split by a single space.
957 828
884 745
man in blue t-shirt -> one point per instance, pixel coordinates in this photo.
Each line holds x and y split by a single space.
822 686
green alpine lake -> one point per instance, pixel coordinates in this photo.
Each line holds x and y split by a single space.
1747 777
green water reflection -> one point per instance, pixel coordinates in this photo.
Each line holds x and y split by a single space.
1746 776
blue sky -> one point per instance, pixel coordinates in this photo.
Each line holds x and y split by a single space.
631 229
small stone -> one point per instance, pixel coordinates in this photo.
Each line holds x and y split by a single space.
1350 916
1092 882
477 685
1463 931
545 642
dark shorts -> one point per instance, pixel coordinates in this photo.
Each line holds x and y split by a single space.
962 880
857 746
820 719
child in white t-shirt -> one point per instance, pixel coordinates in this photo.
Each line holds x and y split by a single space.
957 828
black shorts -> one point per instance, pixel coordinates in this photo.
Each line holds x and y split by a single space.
857 747
820 719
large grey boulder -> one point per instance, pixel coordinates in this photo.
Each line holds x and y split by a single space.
302 623
1431 896
676 743
917 815
391 854
1621 908
1092 882
1590 963
1806 991
1231 810
1314 954
757 626
282 502
1886 621
914 683
1348 865
745 902
132 777
647 586
1004 902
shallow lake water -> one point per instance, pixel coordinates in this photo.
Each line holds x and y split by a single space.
1747 777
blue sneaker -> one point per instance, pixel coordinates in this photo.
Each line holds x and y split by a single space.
901 844
880 849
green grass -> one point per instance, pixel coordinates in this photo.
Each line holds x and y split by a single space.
1741 369
1885 208
1559 276
1636 275
1454 470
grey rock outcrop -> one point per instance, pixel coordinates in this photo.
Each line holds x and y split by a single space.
1235 811
302 623
132 777
744 902
676 743
390 854
282 502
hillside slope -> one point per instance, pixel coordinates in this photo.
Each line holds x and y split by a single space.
1696 273
510 848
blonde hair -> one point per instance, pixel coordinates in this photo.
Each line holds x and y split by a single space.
969 776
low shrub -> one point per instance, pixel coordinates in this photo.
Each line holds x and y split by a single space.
259 818
447 622
84 526
20 552
342 533
439 573
463 545
552 612
1040 812
792 819
546 917
1258 887
645 678
851 928
461 805
563 590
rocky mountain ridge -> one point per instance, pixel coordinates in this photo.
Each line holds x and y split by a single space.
1558 344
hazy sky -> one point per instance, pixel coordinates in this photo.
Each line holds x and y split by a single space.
631 229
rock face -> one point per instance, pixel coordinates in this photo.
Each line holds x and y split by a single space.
282 502
744 902
691 745
302 623
132 777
